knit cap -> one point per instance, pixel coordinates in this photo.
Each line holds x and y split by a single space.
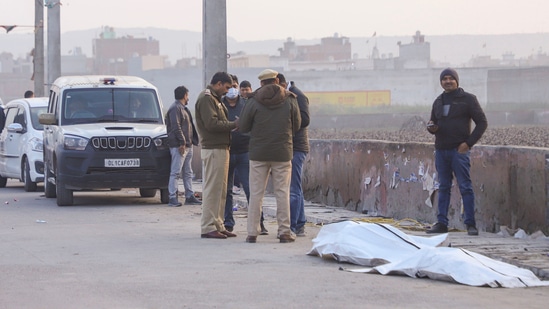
451 72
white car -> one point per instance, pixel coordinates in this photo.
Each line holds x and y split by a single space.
21 148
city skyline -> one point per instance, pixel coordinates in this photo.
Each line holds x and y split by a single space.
251 20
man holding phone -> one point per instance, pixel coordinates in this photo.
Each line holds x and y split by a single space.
450 122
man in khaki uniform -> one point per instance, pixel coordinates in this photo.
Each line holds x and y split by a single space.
214 130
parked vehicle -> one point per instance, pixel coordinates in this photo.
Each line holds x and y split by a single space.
95 138
21 152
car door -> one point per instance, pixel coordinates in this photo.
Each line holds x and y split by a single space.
15 129
6 142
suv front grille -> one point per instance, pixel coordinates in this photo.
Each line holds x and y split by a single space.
130 143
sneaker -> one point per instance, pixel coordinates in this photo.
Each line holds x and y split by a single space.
286 238
472 230
174 202
438 228
263 230
300 232
192 201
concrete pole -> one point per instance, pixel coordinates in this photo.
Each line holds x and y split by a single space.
54 40
38 56
214 38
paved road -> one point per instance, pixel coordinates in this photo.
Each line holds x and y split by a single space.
116 250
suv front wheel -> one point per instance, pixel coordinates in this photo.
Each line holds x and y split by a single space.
64 195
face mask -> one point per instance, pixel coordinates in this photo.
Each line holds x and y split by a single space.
232 94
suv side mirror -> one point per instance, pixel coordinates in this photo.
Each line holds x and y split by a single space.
47 119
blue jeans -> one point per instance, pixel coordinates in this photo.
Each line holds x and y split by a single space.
187 173
175 170
297 202
449 163
241 163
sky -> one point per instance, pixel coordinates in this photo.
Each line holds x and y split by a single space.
252 20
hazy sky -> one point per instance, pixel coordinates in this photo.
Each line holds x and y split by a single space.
299 19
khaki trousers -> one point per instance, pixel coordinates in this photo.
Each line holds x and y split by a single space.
214 189
281 176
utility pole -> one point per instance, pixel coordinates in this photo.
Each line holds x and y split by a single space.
54 39
214 38
38 53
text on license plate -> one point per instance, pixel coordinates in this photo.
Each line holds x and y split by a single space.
122 162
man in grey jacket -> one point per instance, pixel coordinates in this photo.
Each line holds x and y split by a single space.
272 117
179 139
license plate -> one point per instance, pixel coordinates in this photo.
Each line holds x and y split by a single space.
122 162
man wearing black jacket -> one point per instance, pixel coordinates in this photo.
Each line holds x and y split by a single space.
450 122
300 150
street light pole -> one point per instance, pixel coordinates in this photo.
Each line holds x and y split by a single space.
38 53
214 38
54 40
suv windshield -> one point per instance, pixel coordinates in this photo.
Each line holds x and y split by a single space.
106 105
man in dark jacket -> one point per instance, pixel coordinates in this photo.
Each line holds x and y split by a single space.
450 122
2 118
271 115
239 160
300 150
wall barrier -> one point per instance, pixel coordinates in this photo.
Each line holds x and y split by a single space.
398 180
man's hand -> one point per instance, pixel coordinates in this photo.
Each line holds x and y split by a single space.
236 122
432 127
463 147
182 149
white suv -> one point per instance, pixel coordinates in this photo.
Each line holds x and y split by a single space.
104 133
21 142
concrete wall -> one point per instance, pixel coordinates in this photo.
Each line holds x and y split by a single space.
518 86
410 87
396 180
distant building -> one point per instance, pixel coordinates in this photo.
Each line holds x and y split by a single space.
333 53
334 48
112 54
241 60
416 55
76 63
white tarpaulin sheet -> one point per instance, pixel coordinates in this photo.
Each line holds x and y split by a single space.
387 250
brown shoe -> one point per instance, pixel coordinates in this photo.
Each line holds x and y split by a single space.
251 239
228 234
285 238
214 234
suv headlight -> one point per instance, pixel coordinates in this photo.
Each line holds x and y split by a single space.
36 144
161 142
75 142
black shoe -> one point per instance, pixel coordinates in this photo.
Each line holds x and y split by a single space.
229 228
174 202
472 230
192 201
438 228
